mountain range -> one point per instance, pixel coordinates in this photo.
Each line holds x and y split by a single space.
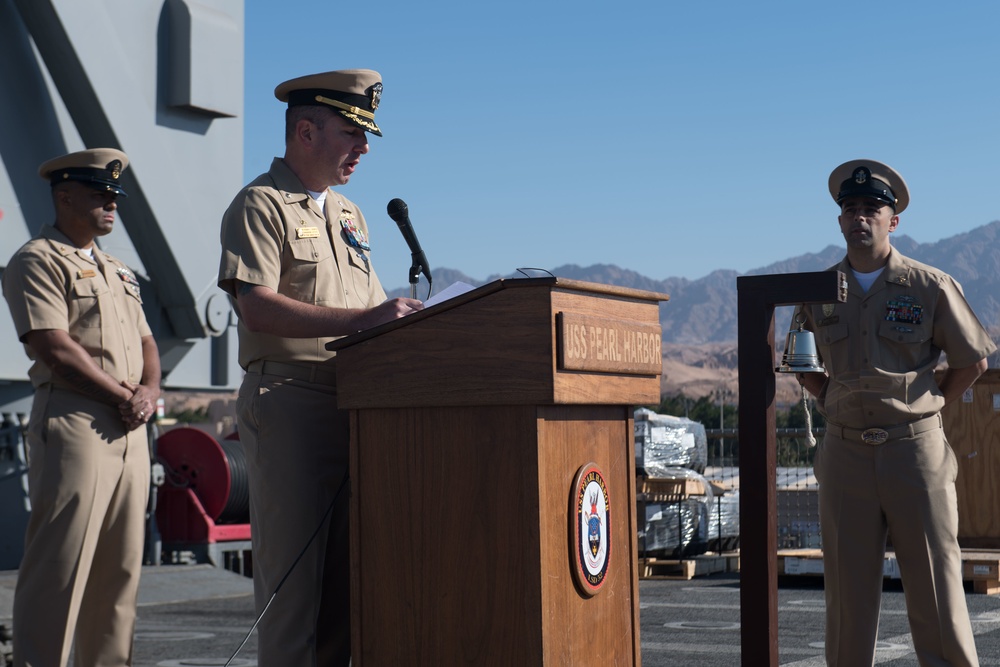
700 319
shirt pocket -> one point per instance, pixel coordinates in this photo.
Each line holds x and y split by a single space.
903 347
130 285
361 271
85 303
831 341
309 257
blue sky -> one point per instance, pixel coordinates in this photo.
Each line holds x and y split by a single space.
670 138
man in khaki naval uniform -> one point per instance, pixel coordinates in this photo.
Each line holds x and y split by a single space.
885 465
296 260
96 374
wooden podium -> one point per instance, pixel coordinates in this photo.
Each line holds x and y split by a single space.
493 476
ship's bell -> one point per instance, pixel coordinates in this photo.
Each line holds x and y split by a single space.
800 351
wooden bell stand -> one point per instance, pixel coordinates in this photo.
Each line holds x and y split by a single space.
757 298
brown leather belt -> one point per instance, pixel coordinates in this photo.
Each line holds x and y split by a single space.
304 372
877 436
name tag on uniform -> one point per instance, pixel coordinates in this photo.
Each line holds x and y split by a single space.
86 273
307 232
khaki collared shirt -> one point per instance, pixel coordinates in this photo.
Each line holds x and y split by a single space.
51 284
275 235
880 348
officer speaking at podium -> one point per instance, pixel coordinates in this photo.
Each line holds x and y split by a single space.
296 260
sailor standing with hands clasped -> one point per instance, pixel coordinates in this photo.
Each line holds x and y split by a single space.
885 465
96 374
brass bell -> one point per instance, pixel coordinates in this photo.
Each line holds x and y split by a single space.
800 351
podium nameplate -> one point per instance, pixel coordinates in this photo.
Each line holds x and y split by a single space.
625 347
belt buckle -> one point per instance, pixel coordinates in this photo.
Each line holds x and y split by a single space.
874 436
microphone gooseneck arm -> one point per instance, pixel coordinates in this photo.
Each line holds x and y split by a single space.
400 214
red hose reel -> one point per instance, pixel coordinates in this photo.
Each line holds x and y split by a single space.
205 497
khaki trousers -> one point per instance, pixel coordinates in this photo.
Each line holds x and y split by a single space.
297 445
88 482
905 487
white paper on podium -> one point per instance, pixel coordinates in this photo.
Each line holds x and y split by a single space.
449 292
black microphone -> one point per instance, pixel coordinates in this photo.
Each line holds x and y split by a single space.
399 212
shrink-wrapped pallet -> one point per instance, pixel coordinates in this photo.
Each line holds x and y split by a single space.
664 441
724 522
673 513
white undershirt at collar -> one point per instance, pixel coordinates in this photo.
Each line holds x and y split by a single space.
319 197
867 279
